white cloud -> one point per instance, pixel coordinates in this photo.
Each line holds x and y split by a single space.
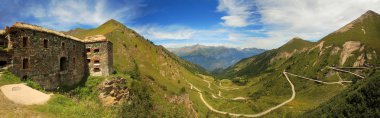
63 14
179 32
178 45
172 32
308 19
281 21
239 12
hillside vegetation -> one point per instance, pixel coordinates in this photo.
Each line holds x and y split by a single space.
360 100
163 85
163 73
355 45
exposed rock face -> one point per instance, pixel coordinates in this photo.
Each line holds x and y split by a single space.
360 61
335 51
114 91
348 48
184 99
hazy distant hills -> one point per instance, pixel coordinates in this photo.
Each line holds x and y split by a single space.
214 57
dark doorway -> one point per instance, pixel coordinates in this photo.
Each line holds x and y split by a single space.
63 64
3 63
2 43
25 63
24 78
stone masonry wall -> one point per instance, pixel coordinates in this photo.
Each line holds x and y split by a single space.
99 58
47 59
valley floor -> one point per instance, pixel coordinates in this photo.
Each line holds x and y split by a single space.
209 91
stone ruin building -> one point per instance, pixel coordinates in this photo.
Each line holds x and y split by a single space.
99 55
51 58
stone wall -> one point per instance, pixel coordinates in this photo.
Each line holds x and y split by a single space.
99 58
50 60
3 40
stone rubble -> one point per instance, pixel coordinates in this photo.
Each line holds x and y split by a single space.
114 91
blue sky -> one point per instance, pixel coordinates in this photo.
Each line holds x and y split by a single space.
174 23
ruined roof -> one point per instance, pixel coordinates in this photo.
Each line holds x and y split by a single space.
2 32
95 38
41 29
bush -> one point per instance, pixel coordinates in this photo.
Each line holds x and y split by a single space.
34 85
182 90
140 104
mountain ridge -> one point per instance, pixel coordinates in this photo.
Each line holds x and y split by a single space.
357 47
214 57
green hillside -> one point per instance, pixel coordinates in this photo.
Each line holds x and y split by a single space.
360 100
295 44
156 67
298 79
365 29
268 60
355 45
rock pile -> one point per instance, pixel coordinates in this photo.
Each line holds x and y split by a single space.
114 91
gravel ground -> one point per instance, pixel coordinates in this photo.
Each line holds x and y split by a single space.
22 94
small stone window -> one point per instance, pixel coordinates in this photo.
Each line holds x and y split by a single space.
88 60
46 43
25 63
96 69
25 41
63 64
88 49
96 50
96 61
63 45
74 60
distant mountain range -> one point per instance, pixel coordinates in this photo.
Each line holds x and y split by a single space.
214 57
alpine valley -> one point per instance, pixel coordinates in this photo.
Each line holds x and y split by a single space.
336 76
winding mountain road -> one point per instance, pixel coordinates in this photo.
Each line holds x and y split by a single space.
337 69
248 115
275 107
319 81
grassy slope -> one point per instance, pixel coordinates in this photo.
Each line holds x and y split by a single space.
258 64
165 72
370 22
360 100
265 77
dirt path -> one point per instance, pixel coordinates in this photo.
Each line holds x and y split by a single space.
22 94
337 69
209 84
275 107
319 81
248 115
8 109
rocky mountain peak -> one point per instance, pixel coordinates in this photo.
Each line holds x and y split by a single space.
360 19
